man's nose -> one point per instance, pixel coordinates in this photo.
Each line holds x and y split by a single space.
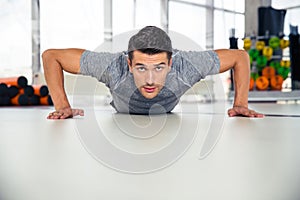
149 78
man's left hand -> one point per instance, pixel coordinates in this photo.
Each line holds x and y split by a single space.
243 111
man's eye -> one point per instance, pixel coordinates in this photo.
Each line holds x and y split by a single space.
141 69
159 68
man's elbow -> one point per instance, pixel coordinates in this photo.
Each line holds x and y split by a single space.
48 54
243 55
241 58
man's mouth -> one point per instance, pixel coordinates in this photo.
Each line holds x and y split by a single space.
149 89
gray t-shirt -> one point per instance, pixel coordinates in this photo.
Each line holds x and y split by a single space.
188 67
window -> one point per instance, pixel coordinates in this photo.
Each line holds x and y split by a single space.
80 23
193 22
190 22
228 15
230 5
123 16
15 38
147 13
224 21
71 23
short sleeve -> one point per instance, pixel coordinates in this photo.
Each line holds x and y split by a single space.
193 66
101 65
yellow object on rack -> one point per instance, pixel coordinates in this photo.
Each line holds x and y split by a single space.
260 45
284 43
285 63
247 43
268 52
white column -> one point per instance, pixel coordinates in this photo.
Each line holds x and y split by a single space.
35 35
108 32
209 24
134 14
164 14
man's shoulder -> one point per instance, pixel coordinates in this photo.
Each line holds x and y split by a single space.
188 53
107 67
111 61
106 55
195 58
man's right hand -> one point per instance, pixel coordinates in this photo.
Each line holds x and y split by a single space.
65 113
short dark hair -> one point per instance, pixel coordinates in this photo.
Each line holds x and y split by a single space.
150 37
150 51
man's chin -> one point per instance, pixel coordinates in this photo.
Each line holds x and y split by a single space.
149 95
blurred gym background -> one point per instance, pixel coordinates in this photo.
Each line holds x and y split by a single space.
30 27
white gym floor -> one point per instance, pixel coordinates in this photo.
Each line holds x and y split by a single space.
197 152
215 157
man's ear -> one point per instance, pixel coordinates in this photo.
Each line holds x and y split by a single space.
170 64
129 64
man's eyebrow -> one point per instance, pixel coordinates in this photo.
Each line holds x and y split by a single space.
141 64
162 63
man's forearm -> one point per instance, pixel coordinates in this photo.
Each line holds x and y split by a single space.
238 60
55 80
241 79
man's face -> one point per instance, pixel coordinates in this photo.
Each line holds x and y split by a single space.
149 72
